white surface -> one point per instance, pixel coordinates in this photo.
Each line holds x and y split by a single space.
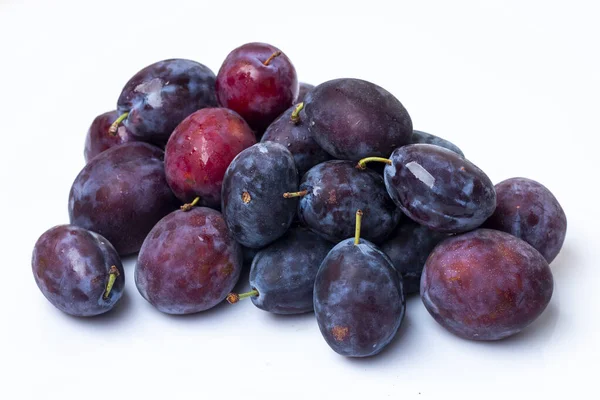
515 84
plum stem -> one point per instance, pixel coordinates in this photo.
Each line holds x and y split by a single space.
233 298
295 118
268 60
362 164
359 214
189 206
115 125
113 273
289 195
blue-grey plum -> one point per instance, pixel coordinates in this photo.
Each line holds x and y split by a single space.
352 119
78 271
121 194
189 262
304 89
408 247
359 300
428 138
291 131
438 188
283 274
528 210
160 96
485 284
335 190
252 199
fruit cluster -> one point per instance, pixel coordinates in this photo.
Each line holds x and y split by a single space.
176 175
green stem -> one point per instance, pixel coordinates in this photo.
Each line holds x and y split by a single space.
359 214
295 118
289 195
233 298
112 277
189 206
362 164
115 125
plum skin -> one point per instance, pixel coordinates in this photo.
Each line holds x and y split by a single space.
358 298
121 194
189 262
437 188
528 210
352 119
161 95
428 138
98 139
71 267
485 284
284 272
297 139
335 190
252 199
258 92
200 150
303 91
408 248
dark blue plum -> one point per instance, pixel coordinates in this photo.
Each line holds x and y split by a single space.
252 196
335 190
528 210
486 284
121 194
359 300
352 119
189 262
293 134
162 95
283 274
439 189
428 138
78 271
408 248
304 89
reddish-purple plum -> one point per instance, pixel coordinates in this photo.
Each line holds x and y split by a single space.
78 271
333 191
99 138
160 96
485 284
438 188
252 198
121 194
200 150
358 298
528 210
259 82
408 247
291 131
189 262
304 89
352 119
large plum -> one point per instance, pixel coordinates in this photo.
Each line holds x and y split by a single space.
485 284
156 99
438 188
252 197
352 119
334 190
189 262
528 210
78 271
121 194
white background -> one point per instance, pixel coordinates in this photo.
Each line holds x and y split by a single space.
515 84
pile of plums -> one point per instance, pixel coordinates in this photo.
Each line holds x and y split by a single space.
327 192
